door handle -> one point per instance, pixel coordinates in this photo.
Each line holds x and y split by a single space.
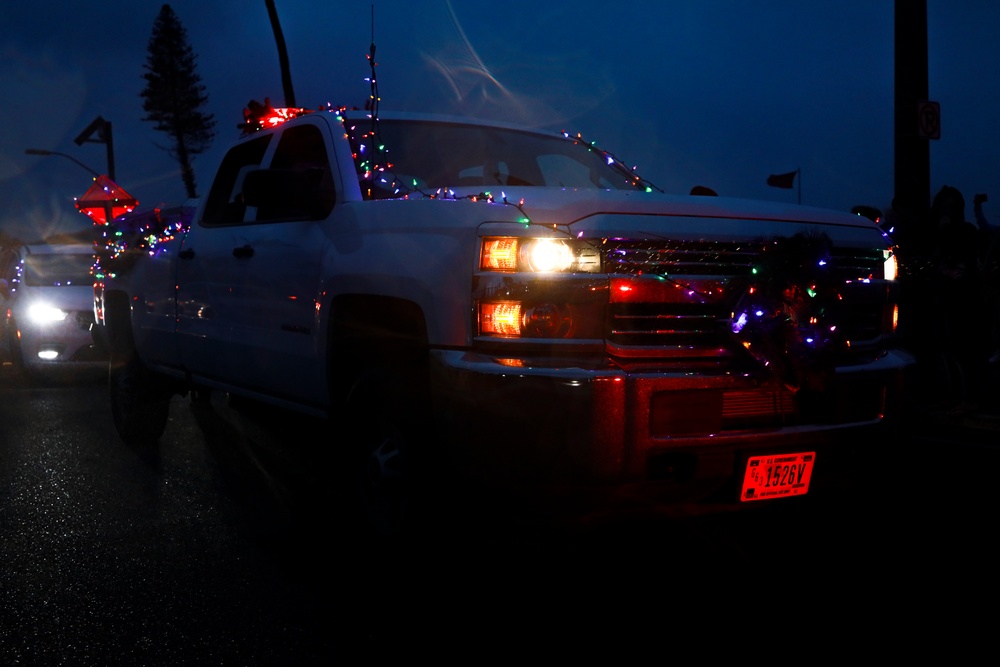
243 251
187 253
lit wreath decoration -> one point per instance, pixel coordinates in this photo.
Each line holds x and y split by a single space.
787 318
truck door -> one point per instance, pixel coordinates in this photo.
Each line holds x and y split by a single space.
260 275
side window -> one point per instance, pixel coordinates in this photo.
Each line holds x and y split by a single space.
224 205
306 189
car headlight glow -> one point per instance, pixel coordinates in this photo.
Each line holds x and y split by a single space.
546 255
43 313
543 255
890 267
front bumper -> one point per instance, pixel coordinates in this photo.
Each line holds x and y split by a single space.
65 342
651 436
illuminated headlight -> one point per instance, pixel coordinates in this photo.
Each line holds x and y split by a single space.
500 319
889 268
41 313
514 319
49 353
547 255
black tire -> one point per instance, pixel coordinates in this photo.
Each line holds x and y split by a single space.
388 455
16 355
140 399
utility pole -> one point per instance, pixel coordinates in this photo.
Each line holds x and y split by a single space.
912 146
279 38
912 198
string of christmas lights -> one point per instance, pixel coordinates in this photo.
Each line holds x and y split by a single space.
789 315
613 161
120 243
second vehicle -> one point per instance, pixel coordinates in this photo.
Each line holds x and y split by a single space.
48 298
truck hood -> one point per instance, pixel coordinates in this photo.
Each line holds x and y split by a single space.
725 218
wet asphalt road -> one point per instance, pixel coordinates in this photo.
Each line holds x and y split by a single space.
219 547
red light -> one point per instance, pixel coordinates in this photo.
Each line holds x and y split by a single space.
263 116
653 289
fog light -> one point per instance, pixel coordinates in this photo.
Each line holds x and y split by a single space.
49 353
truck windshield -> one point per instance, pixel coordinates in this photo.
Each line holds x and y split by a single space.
423 156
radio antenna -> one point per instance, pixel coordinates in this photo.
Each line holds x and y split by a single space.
373 98
374 166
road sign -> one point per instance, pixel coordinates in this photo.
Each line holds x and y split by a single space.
929 120
105 200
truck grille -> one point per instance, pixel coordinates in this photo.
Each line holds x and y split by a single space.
690 318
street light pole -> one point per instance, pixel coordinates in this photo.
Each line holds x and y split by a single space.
101 128
39 151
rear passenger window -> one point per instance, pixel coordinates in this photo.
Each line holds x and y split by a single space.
224 205
309 194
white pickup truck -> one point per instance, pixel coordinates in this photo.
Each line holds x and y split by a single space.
515 307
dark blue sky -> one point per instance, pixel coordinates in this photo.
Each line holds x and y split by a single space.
716 92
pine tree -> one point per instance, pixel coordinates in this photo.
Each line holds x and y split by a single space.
174 94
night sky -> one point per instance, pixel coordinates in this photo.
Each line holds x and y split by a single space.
719 93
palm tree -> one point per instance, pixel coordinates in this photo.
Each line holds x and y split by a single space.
286 75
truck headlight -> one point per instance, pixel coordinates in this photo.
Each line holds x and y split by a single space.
520 320
544 255
550 307
549 289
500 319
890 267
43 313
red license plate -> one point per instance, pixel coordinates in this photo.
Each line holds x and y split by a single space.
777 476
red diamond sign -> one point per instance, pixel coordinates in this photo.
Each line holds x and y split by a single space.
105 200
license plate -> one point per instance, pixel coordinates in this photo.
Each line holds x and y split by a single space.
777 476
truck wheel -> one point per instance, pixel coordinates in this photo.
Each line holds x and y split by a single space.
387 435
140 399
16 356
